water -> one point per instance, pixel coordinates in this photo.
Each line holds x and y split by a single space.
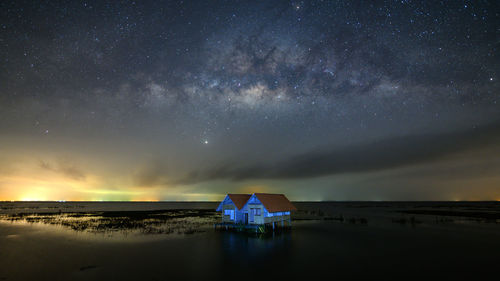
378 249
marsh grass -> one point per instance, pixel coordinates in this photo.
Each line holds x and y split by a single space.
491 215
339 218
357 220
411 221
146 222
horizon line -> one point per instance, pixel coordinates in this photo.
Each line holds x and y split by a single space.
201 201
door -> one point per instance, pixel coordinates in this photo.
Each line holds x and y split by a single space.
251 214
246 218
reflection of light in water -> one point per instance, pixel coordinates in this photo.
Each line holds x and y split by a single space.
96 227
255 246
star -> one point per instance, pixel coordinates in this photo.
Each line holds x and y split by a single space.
311 75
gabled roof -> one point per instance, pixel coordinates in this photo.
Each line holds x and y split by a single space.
275 202
239 200
272 202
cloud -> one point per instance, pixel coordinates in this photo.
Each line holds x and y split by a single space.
379 155
5 167
64 168
150 175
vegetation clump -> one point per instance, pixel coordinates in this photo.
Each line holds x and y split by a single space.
146 222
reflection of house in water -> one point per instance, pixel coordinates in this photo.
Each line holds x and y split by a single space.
257 211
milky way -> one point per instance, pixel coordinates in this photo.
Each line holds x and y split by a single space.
339 100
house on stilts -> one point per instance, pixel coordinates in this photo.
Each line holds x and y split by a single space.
255 212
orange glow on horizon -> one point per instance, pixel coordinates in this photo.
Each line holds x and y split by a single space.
29 183
255 189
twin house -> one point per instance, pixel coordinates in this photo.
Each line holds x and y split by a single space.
256 209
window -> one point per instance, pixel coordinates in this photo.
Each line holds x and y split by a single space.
255 211
229 213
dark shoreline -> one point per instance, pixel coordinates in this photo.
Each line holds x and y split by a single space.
477 215
189 217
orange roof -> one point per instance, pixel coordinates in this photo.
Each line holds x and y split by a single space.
275 202
239 200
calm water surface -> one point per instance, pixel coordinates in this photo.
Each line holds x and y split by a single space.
377 250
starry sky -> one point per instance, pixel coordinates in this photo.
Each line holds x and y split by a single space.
190 100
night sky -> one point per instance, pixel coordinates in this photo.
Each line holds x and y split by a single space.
189 100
